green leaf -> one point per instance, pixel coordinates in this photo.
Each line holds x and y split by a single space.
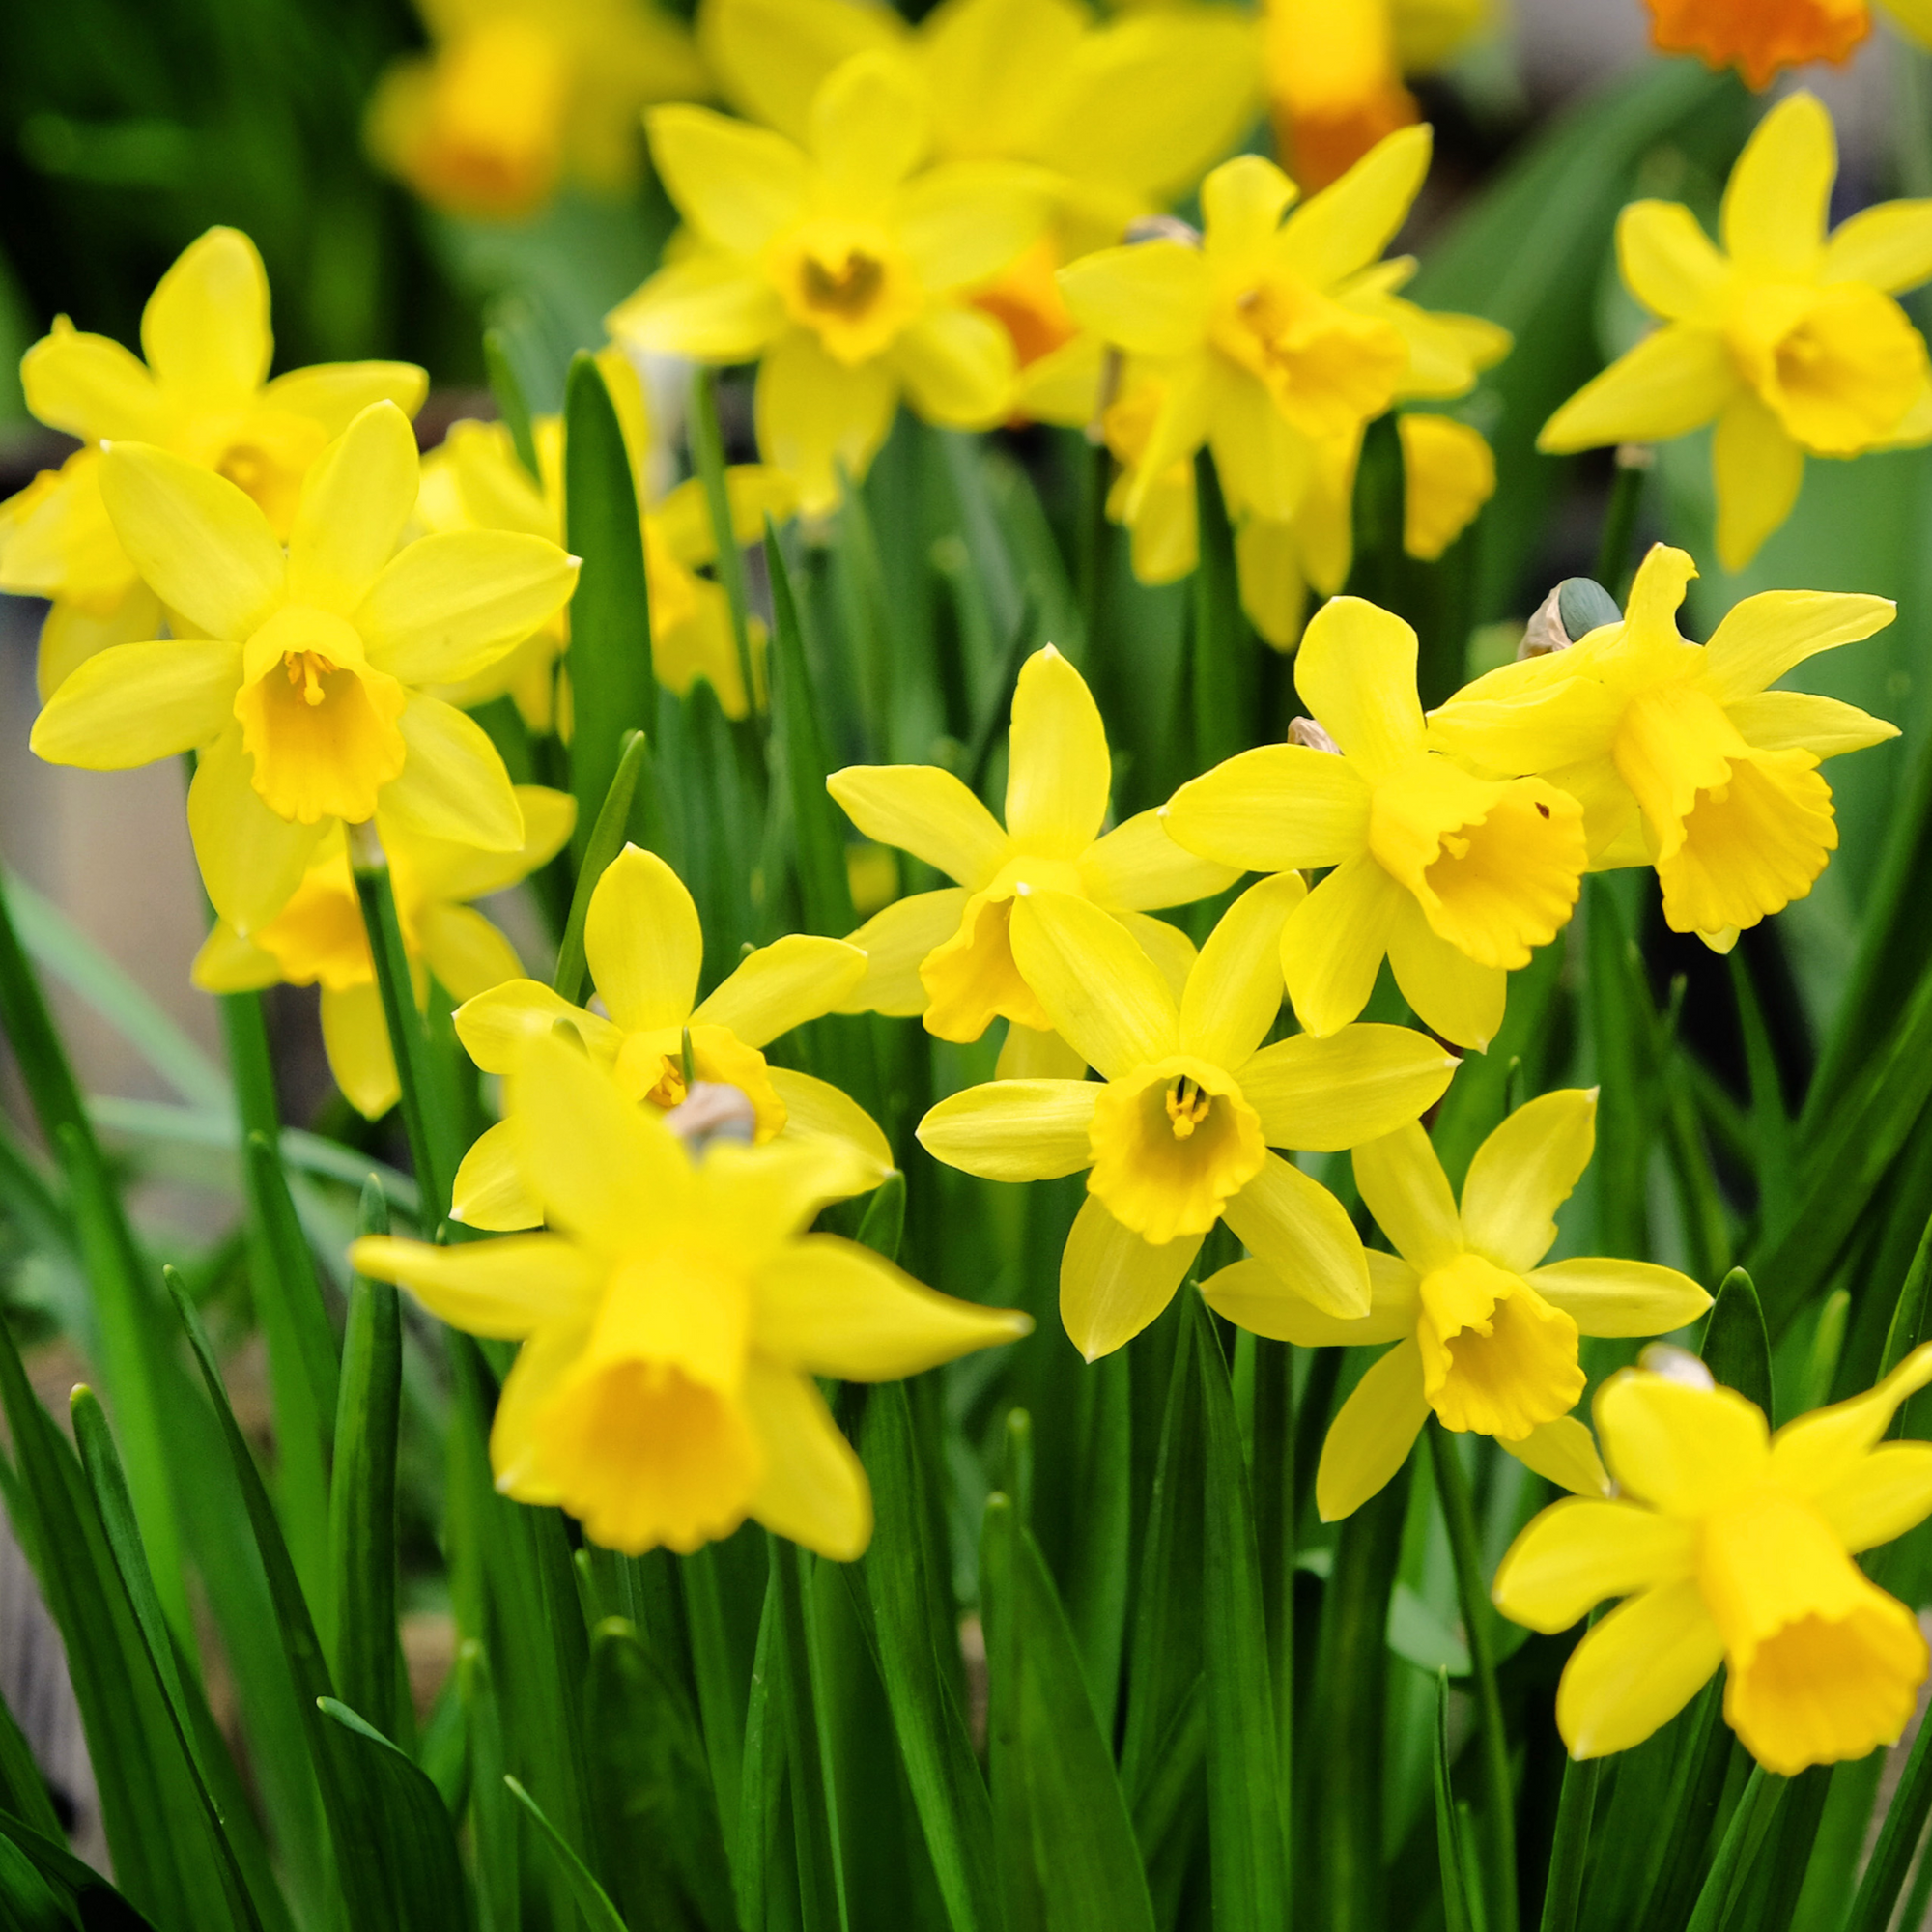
1224 663
591 1898
1570 1851
1450 1850
23 1791
86 1898
613 689
1065 1843
493 1816
707 456
28 1903
821 1876
605 841
362 1493
650 1790
1738 1852
1736 1348
508 393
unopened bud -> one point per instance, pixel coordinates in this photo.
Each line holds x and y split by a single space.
1305 731
1577 607
1163 228
713 1111
1676 1365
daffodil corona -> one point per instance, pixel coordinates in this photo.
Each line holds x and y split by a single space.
1178 1132
1454 878
1485 1337
1681 755
1759 38
1733 1548
673 1322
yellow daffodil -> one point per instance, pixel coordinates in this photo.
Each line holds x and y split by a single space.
1733 1546
319 938
1275 341
946 954
476 481
1449 472
1455 878
1759 38
1787 338
517 95
299 680
203 395
1483 1337
1178 1131
841 265
673 1321
645 948
1680 756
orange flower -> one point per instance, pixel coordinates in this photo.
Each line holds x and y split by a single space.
1759 37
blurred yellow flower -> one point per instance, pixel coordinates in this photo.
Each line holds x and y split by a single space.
319 938
518 95
672 1324
203 394
1177 1133
1483 1337
841 267
1787 338
1732 1546
299 678
1680 756
1762 37
1449 472
1454 878
946 953
645 950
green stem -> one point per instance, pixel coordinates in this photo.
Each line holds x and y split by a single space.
1615 566
1275 1533
1451 1490
707 454
1568 1853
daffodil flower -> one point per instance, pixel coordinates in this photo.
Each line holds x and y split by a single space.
1455 878
1178 1132
1760 41
203 395
1787 338
946 953
519 96
1274 337
841 267
1680 756
299 678
1733 1546
645 948
319 937
674 1319
1484 1338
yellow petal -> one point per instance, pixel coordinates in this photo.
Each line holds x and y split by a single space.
355 1038
205 330
203 546
1881 1497
1577 1553
818 1107
813 1489
1759 470
1762 637
958 367
1242 202
1888 247
644 942
817 417
1669 264
768 1193
1371 1437
834 1308
1250 1295
447 870
1167 945
1112 1283
1234 992
1563 1452
1015 1129
1780 192
596 1163
466 952
1450 992
1820 1449
1103 994
1685 1450
134 704
925 811
92 388
1337 1091
771 55
1526 1168
1269 563
736 184
1617 1298
452 604
489 1190
1332 944
961 224
895 942
495 1027
229 963
1058 773
780 986
333 394
517 1436
1670 383
1357 673
715 308
1028 1053
1350 223
1636 1670
1151 300
1402 1183
1293 1224
1449 472
1138 867
453 784
869 124
1800 721
353 505
503 1290
251 861
1276 808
